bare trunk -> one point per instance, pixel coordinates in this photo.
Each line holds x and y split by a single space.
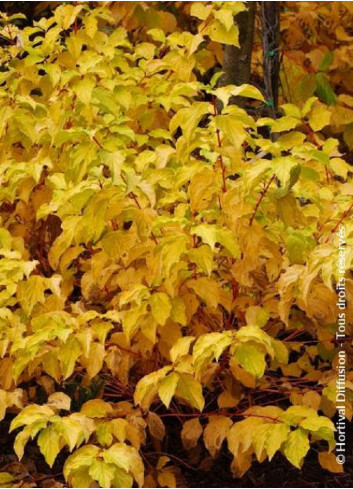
270 44
237 61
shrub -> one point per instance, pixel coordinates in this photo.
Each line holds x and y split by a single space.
162 256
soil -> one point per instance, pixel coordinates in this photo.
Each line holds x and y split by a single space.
32 471
277 473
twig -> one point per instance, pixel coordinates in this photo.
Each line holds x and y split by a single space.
258 203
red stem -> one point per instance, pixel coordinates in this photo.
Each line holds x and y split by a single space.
258 203
344 215
219 144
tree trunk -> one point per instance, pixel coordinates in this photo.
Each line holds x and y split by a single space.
270 44
237 61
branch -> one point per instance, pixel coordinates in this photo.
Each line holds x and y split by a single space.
263 193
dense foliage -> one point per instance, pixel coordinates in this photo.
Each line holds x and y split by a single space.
165 255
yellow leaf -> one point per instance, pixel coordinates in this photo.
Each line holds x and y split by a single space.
191 432
32 414
80 460
68 355
95 359
102 472
251 359
59 400
49 444
257 316
200 10
245 90
312 399
147 387
207 289
181 347
225 16
208 347
296 447
212 234
127 458
203 257
276 436
232 128
91 25
259 438
218 32
160 307
215 433
329 462
320 425
280 351
319 116
256 334
190 390
295 414
155 426
166 478
96 408
167 387
83 90
241 463
31 292
240 374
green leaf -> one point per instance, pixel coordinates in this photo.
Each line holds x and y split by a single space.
324 89
326 61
